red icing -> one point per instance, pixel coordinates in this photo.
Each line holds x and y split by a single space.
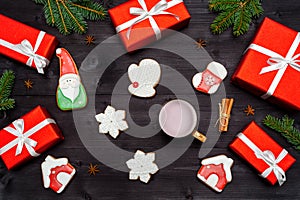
135 84
67 64
203 87
208 170
54 183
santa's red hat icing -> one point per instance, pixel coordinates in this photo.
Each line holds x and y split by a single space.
68 67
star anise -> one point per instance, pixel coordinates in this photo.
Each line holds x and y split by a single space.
200 43
89 40
28 84
249 110
93 169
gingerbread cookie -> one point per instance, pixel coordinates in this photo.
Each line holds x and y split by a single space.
144 77
57 173
70 92
216 172
210 79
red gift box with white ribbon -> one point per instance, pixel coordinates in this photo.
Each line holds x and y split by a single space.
256 147
26 44
28 137
270 67
141 22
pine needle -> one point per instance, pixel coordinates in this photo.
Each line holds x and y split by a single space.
70 15
6 86
236 13
285 126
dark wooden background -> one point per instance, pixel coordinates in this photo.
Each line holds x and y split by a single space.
178 180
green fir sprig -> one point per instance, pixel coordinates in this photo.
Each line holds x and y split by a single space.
70 15
6 86
285 126
236 13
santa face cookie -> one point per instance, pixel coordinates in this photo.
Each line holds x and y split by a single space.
70 91
210 79
215 172
57 173
144 77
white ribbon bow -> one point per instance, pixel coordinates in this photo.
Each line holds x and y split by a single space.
26 48
143 14
23 138
269 158
278 62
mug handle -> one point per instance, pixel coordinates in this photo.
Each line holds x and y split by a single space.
199 136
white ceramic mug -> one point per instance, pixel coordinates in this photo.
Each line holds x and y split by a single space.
178 119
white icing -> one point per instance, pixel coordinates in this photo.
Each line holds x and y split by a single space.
211 181
64 179
217 69
146 75
142 166
58 51
112 121
221 159
50 163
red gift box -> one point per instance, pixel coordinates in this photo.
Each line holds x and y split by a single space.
140 22
26 44
270 67
27 137
263 153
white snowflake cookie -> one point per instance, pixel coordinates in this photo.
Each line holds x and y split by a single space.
142 166
112 121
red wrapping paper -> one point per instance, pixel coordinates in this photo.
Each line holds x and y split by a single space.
264 142
15 32
278 38
45 138
142 33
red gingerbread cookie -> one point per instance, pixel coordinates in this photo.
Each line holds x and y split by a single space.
216 172
57 173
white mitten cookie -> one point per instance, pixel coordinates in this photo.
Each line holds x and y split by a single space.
144 77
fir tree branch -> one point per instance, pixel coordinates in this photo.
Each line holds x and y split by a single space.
51 12
70 15
236 13
6 104
97 12
6 83
285 126
6 86
62 18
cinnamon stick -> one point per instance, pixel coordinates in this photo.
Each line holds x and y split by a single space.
225 110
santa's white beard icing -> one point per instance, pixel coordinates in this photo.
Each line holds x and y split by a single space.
69 85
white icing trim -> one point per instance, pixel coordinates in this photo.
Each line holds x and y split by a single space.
217 69
205 181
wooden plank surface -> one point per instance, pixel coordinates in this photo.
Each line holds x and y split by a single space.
176 181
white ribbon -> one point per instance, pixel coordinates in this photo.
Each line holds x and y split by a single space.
269 158
278 62
23 138
26 48
143 14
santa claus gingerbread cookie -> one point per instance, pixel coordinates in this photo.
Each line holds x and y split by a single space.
210 79
144 77
215 172
70 91
57 173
